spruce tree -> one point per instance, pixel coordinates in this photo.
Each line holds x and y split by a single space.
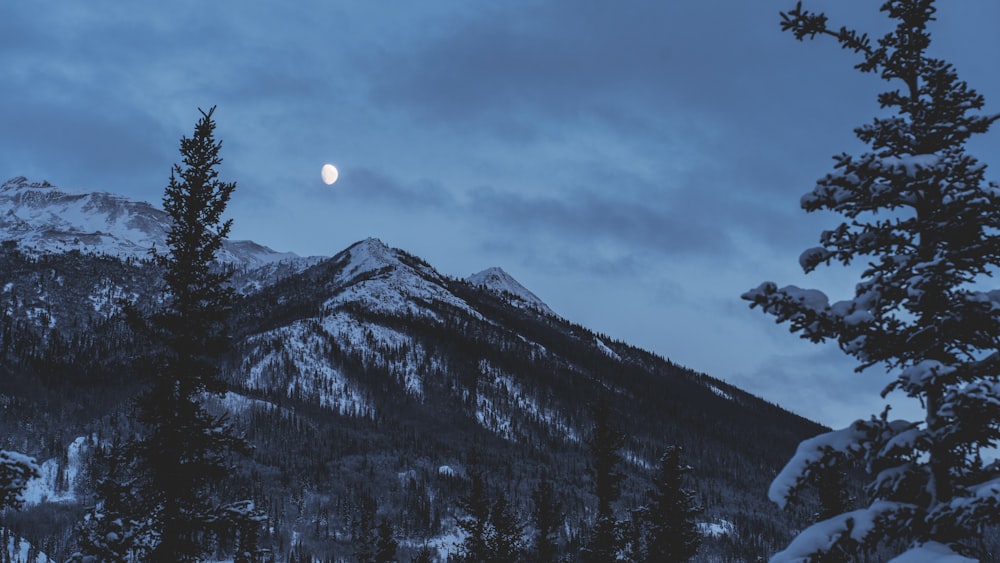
504 540
386 545
183 450
672 533
364 530
547 516
476 522
605 444
919 214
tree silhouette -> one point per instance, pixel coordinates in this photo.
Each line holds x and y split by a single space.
183 452
547 516
605 444
672 534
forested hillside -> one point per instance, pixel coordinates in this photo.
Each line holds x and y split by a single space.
369 381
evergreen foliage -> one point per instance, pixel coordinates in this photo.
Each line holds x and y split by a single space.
476 523
16 470
672 533
505 543
546 516
386 545
170 511
605 444
918 211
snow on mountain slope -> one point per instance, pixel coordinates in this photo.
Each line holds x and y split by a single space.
57 482
390 281
503 284
296 361
404 359
45 218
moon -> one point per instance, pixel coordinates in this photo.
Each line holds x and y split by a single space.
329 174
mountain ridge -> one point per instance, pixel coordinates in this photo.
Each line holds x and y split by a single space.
46 218
350 370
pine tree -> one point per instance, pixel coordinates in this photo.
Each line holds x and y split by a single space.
364 530
605 443
386 545
476 522
547 516
504 540
183 450
832 493
670 513
918 211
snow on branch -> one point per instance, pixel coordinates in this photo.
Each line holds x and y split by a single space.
931 552
827 449
16 469
843 533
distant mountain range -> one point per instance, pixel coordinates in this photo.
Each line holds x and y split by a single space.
365 374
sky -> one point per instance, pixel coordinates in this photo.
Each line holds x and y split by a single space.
637 165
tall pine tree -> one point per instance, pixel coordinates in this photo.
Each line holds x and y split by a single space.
183 452
605 443
476 522
546 516
672 533
918 211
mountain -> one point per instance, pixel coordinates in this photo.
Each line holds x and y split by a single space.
500 282
44 218
367 375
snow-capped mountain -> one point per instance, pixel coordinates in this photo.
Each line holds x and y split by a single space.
45 218
500 282
365 373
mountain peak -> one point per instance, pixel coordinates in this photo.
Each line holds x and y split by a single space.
48 219
503 284
20 182
370 254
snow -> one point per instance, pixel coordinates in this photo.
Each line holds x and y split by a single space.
298 362
375 276
822 536
716 529
812 451
636 460
498 419
925 371
720 392
501 283
370 338
17 552
931 552
45 218
47 487
606 349
910 164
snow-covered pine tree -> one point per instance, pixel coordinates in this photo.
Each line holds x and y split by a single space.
16 469
918 210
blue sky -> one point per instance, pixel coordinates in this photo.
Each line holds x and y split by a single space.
636 165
